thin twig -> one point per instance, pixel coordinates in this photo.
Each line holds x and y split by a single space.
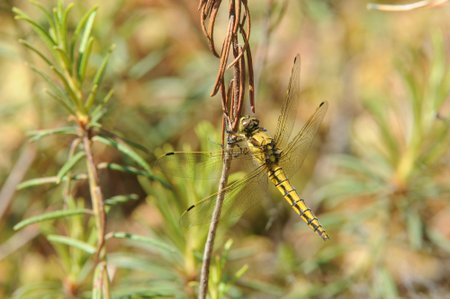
406 7
204 275
95 192
99 213
232 97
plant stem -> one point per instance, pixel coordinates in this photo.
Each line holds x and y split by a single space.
99 212
232 100
204 275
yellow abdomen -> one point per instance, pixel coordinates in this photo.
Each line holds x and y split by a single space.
281 182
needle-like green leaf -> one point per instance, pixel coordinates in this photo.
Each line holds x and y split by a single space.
36 135
120 199
51 216
72 243
124 149
70 163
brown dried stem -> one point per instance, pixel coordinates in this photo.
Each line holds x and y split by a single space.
232 95
209 245
102 282
239 18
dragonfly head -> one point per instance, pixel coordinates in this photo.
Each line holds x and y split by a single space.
248 124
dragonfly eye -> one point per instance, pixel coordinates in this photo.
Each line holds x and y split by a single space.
248 124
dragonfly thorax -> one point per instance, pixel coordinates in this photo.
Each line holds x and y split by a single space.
262 146
248 125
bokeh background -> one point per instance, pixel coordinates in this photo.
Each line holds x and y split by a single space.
377 176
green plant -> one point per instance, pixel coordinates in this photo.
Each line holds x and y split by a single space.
74 77
393 182
178 254
188 184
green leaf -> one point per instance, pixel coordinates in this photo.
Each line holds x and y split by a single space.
36 135
63 58
145 65
138 263
38 290
378 111
56 92
385 286
84 59
439 239
48 180
86 43
154 243
72 243
101 70
134 171
50 81
35 50
37 182
98 77
51 216
55 28
67 86
42 32
415 228
43 9
64 25
69 165
107 97
92 95
120 199
63 101
124 149
161 288
123 168
114 135
96 115
80 27
100 110
87 29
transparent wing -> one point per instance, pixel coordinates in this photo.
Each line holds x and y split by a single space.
287 117
294 154
239 197
209 163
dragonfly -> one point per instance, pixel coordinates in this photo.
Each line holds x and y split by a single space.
274 159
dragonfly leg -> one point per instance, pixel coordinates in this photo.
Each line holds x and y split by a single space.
241 151
234 138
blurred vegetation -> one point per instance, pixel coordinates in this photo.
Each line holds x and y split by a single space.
376 177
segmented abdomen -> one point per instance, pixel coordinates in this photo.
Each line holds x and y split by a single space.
278 177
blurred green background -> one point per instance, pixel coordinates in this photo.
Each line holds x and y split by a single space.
377 177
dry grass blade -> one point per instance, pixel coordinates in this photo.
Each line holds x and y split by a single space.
223 57
208 13
239 18
237 105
